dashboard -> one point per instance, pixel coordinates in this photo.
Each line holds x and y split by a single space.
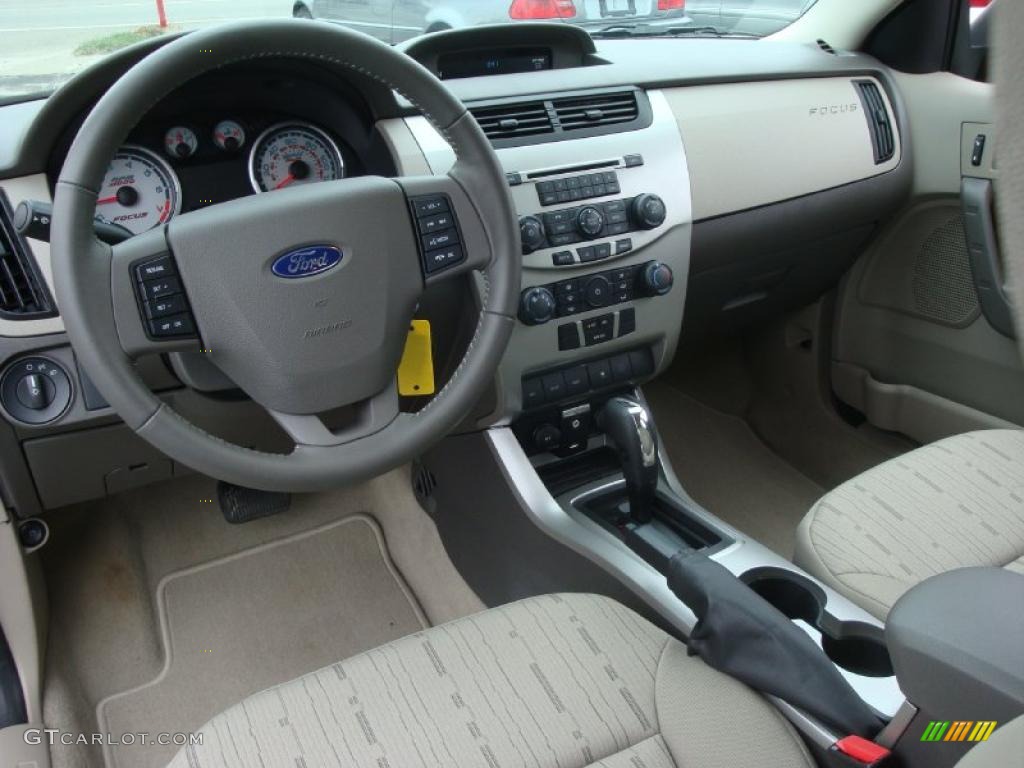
663 187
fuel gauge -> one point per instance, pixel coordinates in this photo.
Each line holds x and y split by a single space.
229 135
180 142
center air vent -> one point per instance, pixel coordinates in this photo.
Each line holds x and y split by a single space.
882 140
23 294
510 121
599 109
591 113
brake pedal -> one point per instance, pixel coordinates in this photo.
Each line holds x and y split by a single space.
240 505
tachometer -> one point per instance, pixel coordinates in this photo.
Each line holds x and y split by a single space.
139 191
293 153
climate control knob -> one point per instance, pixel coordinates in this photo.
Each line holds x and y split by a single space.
590 221
536 306
648 211
531 232
657 278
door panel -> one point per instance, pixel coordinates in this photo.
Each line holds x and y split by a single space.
913 349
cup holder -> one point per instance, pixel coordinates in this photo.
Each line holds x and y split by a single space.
853 645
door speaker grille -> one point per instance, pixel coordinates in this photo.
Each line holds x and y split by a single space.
943 284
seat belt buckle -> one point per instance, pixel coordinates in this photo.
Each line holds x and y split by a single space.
856 751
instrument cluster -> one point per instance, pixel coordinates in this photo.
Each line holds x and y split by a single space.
169 169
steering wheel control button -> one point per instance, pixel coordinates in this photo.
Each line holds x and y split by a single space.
162 302
568 337
438 222
173 326
171 305
536 306
151 270
438 229
163 286
442 258
428 206
35 390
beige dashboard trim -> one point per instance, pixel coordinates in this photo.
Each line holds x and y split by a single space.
32 188
751 144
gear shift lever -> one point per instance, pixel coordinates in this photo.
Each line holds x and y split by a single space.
630 429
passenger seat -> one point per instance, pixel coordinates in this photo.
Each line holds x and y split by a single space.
954 503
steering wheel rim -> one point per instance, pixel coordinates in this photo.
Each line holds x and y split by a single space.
95 289
1009 65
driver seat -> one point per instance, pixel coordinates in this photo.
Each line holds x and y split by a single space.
567 680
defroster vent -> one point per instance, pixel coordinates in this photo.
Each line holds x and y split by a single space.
882 137
23 294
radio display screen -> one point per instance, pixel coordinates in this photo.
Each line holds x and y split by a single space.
502 62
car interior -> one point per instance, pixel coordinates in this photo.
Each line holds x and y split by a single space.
520 394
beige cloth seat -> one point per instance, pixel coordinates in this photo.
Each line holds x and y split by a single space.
563 681
954 503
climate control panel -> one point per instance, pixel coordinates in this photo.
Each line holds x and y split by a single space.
541 303
568 226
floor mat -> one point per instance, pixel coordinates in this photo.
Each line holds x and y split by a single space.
727 469
248 621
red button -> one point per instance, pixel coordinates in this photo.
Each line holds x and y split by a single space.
862 750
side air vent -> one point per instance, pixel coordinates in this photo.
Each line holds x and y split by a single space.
878 120
549 118
597 110
23 294
512 121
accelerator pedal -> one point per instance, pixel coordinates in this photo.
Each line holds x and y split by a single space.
240 505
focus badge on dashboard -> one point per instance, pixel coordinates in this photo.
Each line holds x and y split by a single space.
306 262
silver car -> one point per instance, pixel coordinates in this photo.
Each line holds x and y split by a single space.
396 20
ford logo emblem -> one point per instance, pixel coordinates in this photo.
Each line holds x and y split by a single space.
306 262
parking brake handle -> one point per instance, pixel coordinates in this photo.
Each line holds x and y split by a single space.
743 635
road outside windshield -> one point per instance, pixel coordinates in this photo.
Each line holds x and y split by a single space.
44 42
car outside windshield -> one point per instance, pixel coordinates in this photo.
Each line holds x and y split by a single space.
44 42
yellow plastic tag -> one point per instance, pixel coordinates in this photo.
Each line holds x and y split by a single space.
416 371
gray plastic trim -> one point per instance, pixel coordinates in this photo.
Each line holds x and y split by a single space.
976 196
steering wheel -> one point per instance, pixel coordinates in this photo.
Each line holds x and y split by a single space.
1009 66
302 296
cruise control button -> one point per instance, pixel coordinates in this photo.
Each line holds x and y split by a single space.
162 267
171 305
440 240
157 289
442 258
427 206
175 325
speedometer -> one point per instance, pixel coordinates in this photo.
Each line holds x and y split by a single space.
293 153
139 191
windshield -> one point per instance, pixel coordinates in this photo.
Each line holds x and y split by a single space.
44 42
